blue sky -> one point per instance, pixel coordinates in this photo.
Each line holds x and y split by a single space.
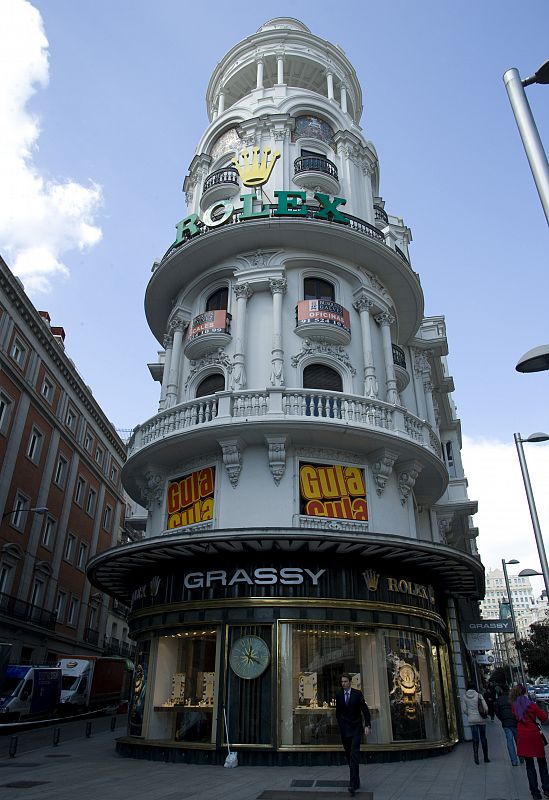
105 106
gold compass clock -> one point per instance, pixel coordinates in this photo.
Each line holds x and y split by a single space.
249 657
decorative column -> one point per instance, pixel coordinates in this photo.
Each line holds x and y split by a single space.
343 95
364 305
176 329
280 68
242 292
423 368
385 320
330 85
221 103
168 344
278 288
259 74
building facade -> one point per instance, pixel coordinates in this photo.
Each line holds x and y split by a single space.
307 506
60 489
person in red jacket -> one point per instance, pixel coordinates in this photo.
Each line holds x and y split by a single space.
530 743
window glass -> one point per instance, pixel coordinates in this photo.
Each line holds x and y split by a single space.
218 301
47 390
5 411
35 445
72 616
90 504
79 491
319 376
82 555
69 547
211 384
60 471
318 289
18 352
48 532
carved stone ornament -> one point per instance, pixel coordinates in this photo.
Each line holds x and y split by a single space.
407 475
232 458
243 290
177 323
374 283
277 456
385 318
217 359
382 462
363 303
322 348
167 341
445 527
278 285
421 363
152 488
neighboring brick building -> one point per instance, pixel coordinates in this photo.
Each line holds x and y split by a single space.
58 454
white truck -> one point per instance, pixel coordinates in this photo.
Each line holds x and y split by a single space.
94 682
29 693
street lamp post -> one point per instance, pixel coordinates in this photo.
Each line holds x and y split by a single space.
527 127
512 609
535 437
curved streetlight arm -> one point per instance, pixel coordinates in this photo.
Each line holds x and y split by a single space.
529 135
533 512
513 618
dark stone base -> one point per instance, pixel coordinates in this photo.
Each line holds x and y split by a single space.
178 754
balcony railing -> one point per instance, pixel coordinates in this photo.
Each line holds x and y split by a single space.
381 215
355 224
399 358
221 176
91 636
19 609
114 647
315 164
315 404
323 315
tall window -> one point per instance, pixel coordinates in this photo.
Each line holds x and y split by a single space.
5 411
317 289
48 533
99 453
213 383
72 617
69 547
82 555
17 517
60 471
35 445
70 419
60 603
90 504
18 352
47 390
79 491
319 376
219 300
6 572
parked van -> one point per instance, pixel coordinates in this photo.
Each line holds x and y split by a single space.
94 682
29 692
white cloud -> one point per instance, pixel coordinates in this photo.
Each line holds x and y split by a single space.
40 219
503 519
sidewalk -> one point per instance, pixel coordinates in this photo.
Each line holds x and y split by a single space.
89 769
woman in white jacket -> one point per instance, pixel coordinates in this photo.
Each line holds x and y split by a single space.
470 707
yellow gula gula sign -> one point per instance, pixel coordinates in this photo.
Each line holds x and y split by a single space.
191 498
333 491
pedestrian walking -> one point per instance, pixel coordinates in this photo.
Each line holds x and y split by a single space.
490 698
530 740
472 704
504 713
353 718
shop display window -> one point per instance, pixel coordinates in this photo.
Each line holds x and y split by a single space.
398 672
186 685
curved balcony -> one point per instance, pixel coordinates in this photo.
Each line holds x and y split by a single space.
323 319
220 185
207 331
401 373
312 172
380 216
311 417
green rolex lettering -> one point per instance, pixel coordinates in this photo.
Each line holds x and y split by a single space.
329 208
289 204
186 228
248 208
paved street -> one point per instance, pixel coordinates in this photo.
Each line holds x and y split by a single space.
89 769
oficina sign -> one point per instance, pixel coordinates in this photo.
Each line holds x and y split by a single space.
289 204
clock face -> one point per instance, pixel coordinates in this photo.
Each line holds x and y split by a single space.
407 676
249 657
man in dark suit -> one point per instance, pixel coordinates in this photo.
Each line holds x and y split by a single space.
353 718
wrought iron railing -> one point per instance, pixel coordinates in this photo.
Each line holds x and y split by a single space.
91 636
315 164
114 647
226 175
19 609
381 215
399 358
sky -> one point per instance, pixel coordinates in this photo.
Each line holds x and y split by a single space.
101 109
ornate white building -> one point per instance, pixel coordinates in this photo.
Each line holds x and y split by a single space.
307 507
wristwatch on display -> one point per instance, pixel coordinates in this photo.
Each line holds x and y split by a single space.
249 657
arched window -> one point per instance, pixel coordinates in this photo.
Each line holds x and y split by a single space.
317 289
218 301
319 376
210 385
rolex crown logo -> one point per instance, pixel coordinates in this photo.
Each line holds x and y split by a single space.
252 171
372 579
